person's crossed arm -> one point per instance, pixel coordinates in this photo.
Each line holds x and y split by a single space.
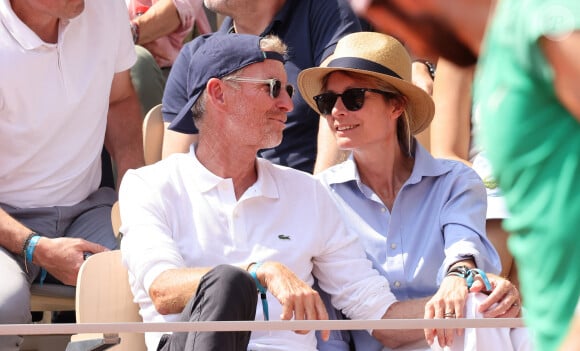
172 289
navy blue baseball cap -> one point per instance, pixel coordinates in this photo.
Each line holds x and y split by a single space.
216 56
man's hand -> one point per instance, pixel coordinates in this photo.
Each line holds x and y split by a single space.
504 299
298 299
63 257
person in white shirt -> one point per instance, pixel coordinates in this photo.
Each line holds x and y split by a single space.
65 91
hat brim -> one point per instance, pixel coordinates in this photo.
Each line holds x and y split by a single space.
420 105
184 119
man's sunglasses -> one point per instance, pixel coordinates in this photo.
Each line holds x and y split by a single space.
353 99
275 85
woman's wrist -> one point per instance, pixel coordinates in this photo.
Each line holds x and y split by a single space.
135 31
469 274
429 66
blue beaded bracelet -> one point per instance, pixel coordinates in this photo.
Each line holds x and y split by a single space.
261 289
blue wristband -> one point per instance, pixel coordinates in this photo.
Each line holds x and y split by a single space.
261 289
476 271
31 246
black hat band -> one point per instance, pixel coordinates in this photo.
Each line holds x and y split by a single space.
360 63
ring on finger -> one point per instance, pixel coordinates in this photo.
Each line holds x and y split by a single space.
449 315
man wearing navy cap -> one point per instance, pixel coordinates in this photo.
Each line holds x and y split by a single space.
204 231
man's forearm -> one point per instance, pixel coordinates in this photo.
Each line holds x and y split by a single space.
160 20
124 138
402 310
12 233
172 289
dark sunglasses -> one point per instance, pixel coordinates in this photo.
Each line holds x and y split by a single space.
275 85
353 99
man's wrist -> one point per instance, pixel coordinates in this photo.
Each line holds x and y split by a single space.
27 249
252 268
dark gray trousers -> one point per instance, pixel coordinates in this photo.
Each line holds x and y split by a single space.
226 293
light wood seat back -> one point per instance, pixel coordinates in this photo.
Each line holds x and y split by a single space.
153 130
104 296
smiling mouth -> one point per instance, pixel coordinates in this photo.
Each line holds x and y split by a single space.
346 128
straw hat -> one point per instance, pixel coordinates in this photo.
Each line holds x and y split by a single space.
376 55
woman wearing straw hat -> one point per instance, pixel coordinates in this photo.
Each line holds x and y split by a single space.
421 220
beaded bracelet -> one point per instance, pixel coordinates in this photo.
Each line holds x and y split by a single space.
253 268
458 271
430 67
469 275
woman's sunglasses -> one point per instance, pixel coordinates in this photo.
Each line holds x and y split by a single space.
275 85
353 99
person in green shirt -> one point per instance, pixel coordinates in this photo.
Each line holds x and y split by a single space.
527 86
528 89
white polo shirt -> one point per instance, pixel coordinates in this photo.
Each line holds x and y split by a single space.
177 214
54 100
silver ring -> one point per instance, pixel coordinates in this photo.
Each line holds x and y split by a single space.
449 315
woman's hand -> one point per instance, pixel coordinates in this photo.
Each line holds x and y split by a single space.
448 302
504 300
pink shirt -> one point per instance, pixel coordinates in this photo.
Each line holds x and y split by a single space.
165 49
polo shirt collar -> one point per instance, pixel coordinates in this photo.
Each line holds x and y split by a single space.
265 186
25 37
204 179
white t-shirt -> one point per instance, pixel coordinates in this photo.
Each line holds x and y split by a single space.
177 214
54 100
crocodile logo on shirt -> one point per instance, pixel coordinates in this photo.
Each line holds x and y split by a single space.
490 183
283 237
